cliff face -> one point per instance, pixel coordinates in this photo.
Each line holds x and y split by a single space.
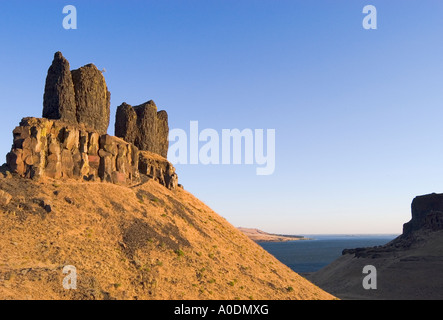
427 213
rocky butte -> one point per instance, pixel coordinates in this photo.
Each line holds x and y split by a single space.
130 235
70 141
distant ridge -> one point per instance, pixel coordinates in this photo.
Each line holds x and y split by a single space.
262 236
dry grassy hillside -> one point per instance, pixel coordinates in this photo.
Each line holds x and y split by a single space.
144 242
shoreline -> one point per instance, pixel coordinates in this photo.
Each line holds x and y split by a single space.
260 236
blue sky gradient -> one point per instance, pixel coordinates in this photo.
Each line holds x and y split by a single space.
357 112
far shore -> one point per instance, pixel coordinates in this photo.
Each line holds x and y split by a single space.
261 236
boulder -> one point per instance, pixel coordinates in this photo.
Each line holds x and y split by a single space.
5 198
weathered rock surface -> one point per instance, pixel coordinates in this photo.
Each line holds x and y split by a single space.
162 133
93 100
147 126
427 213
59 98
158 168
143 126
126 123
78 96
70 141
58 150
55 149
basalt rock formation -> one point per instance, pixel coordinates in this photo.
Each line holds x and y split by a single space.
143 126
80 96
59 96
427 213
54 149
157 167
92 98
70 141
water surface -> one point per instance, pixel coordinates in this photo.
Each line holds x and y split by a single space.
312 255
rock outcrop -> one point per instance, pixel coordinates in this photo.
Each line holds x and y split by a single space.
158 168
143 126
92 98
70 141
59 150
59 96
162 133
55 149
126 123
427 213
77 97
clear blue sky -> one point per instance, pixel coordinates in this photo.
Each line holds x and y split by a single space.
357 113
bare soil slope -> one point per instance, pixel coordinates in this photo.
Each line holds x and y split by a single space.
143 242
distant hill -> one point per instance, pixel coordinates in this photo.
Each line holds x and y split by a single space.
261 236
139 242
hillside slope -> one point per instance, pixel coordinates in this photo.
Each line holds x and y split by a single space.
141 242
